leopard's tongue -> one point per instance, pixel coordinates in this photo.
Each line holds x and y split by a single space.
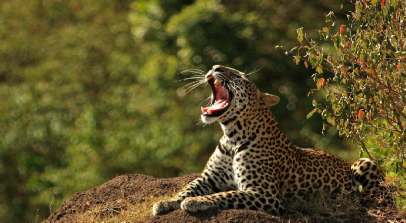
221 100
218 105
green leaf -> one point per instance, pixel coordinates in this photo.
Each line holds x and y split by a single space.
319 69
297 59
300 35
393 3
311 113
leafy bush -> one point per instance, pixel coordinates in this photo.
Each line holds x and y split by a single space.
360 77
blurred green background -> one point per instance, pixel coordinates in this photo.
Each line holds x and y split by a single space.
91 89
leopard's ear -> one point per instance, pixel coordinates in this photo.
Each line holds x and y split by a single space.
269 99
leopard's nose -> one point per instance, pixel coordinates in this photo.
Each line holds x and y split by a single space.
215 69
209 76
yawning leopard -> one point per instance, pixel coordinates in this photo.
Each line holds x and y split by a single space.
254 165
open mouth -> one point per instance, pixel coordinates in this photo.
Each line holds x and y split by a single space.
220 99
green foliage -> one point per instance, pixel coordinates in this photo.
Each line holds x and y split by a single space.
89 89
360 75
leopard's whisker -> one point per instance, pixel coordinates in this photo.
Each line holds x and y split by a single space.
193 78
232 86
205 100
194 71
254 71
193 85
224 77
190 84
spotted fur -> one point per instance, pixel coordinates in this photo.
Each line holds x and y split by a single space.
255 166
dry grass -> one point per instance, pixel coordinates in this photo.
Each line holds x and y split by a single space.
121 211
318 209
322 208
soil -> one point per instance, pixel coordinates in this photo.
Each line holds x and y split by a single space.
132 189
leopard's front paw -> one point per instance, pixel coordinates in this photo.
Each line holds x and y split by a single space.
163 207
194 204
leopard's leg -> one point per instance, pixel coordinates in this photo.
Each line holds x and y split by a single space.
217 176
367 175
256 190
254 199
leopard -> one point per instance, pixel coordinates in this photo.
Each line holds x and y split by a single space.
254 165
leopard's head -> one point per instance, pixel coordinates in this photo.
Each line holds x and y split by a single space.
232 95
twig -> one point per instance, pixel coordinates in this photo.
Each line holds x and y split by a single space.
365 149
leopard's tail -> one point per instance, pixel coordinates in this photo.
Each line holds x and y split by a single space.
369 180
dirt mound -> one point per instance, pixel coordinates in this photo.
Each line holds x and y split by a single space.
129 198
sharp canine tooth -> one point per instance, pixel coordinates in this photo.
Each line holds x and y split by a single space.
217 82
